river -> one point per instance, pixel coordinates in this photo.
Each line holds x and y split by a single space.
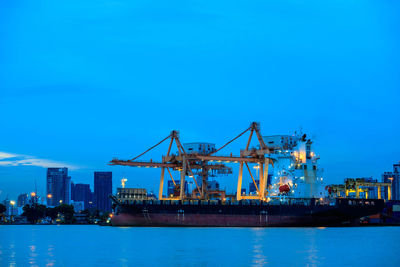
89 245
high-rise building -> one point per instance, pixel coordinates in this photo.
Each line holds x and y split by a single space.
81 192
58 186
102 190
72 190
394 178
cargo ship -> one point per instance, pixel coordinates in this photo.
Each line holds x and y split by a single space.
291 212
287 187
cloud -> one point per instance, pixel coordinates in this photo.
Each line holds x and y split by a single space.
10 159
4 155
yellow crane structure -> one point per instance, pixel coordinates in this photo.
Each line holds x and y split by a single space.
190 163
360 185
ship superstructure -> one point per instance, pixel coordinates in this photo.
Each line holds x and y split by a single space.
296 172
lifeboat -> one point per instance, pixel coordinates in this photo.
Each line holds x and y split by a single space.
284 188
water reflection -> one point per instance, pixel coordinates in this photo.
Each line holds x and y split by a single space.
312 251
123 259
50 256
259 257
32 256
12 255
106 246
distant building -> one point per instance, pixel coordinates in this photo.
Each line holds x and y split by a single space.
23 199
72 190
11 208
58 186
102 190
170 188
128 195
252 187
394 178
78 206
82 192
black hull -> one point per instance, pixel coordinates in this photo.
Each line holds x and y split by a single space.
245 214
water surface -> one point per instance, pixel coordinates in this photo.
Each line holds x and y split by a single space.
71 245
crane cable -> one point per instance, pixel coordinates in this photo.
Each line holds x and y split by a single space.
151 148
215 151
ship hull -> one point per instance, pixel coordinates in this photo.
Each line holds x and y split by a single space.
239 215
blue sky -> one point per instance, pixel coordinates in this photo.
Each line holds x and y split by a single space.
82 82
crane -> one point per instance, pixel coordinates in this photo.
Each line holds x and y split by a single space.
190 163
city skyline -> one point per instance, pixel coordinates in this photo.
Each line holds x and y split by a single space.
201 133
77 94
134 180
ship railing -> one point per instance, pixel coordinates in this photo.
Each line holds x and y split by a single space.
357 202
271 201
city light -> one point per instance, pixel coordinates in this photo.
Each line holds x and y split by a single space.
33 194
12 202
49 196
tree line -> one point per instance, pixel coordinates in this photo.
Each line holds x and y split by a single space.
63 214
